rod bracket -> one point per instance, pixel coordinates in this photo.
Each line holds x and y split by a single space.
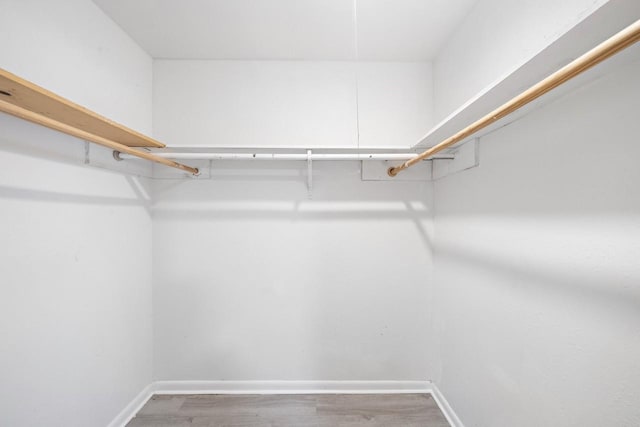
309 173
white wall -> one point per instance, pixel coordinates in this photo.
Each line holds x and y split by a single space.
495 38
308 104
75 305
254 281
537 267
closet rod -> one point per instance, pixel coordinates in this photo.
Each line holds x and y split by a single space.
286 156
39 119
604 50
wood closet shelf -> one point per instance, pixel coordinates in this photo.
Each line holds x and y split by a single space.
29 96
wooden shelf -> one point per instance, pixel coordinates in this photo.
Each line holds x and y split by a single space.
29 96
25 100
603 23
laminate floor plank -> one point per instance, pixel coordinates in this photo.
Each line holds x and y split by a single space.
162 404
261 406
287 410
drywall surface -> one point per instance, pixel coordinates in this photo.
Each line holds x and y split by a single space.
307 104
75 310
254 281
495 38
538 280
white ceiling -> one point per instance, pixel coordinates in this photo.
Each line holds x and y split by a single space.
388 30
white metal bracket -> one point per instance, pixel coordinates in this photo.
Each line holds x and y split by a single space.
467 156
104 158
309 174
87 152
377 171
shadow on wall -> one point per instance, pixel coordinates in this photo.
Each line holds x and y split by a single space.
570 284
52 170
417 215
276 191
17 193
536 265
554 204
28 139
135 187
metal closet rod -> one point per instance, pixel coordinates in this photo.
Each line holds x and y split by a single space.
29 115
284 156
604 50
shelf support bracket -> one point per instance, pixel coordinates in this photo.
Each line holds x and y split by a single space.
309 174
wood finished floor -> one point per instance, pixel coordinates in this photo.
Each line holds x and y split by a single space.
304 410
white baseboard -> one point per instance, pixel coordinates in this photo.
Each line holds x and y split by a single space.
444 406
133 407
285 387
290 387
